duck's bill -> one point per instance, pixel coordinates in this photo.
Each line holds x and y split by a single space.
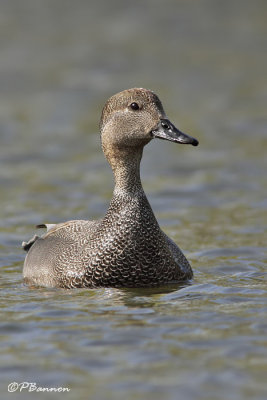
167 131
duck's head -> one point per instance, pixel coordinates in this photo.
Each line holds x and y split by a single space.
131 118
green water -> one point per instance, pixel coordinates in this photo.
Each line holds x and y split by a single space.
207 60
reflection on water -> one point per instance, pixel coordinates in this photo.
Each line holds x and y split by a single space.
207 61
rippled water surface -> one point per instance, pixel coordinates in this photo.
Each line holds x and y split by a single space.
207 60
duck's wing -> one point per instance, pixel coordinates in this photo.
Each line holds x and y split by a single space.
64 230
55 259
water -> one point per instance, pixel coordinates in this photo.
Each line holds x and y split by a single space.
207 60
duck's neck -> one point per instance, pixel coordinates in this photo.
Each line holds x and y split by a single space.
129 204
126 170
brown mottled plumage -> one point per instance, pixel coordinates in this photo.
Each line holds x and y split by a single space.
126 248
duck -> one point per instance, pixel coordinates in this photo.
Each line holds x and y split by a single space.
126 248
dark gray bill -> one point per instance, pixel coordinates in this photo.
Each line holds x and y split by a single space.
167 131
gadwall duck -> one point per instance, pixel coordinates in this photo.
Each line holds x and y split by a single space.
126 248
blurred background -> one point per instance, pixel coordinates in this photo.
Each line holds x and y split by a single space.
207 61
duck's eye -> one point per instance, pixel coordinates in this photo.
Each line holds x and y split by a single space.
134 106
